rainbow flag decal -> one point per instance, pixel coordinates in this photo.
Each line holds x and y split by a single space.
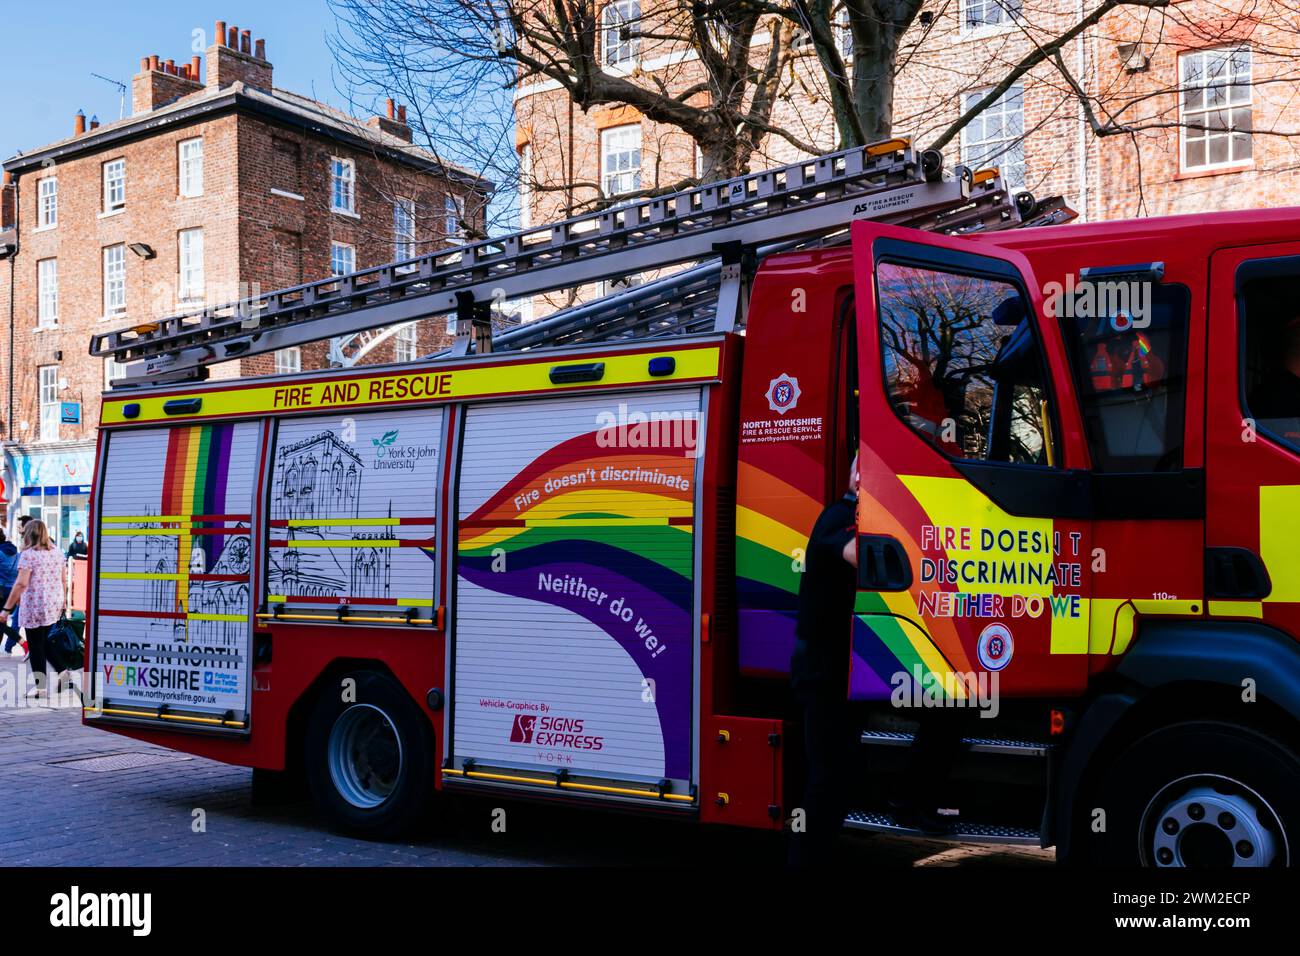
195 479
593 517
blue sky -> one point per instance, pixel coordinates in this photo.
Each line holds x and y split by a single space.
49 49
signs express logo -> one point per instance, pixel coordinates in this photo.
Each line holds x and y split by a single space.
521 731
783 393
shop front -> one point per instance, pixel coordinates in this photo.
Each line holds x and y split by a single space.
52 484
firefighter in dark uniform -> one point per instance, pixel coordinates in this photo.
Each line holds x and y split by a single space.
819 677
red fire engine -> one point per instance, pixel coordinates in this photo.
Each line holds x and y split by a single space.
562 561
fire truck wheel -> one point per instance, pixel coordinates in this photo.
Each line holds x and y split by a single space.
1194 795
370 757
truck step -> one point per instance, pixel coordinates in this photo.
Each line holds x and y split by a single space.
982 745
964 831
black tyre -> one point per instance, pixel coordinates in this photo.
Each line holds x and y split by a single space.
1199 794
369 758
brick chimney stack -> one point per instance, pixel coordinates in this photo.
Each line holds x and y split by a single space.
236 57
8 209
161 82
394 123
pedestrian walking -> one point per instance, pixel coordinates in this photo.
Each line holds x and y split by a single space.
40 589
8 575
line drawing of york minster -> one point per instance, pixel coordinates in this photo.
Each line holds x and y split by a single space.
322 477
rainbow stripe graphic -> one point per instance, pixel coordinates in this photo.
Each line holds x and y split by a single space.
195 477
773 520
619 520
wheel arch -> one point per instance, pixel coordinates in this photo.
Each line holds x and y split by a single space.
300 711
1176 672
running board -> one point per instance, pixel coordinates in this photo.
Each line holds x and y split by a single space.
979 745
963 831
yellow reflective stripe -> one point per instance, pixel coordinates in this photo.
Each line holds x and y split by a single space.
429 384
595 522
120 712
130 532
216 617
568 785
123 519
344 522
314 543
1237 609
403 602
139 576
1279 529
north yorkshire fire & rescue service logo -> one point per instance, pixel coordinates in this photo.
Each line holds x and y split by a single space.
783 393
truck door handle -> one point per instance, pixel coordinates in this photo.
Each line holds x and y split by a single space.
882 564
1236 574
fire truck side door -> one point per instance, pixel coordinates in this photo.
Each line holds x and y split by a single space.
1253 436
973 528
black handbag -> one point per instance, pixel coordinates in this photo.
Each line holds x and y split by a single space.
64 648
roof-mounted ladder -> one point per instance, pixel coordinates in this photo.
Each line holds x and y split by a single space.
886 182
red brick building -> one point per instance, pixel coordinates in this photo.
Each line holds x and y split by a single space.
218 184
1233 69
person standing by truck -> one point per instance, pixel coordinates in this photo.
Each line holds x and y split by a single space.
40 588
819 676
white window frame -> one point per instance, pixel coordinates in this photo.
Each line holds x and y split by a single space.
403 229
47 396
1008 12
615 50
343 258
47 203
113 174
406 346
1199 115
998 149
453 217
112 369
113 259
47 292
190 273
343 185
288 361
609 148
189 167
844 36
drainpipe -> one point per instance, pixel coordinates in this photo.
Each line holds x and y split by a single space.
13 276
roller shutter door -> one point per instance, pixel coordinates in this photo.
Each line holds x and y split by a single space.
574 637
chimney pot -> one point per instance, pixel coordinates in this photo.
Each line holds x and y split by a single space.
221 33
261 49
196 63
144 64
79 123
94 122
245 41
153 63
390 108
232 38
170 66
401 114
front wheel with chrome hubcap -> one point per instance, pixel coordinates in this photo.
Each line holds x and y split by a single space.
1197 794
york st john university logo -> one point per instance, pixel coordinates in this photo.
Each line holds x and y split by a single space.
783 393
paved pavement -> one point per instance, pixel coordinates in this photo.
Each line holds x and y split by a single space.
63 810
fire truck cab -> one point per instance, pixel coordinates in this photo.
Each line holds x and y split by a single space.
572 573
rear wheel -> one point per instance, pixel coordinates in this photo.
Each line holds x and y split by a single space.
369 756
1204 794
